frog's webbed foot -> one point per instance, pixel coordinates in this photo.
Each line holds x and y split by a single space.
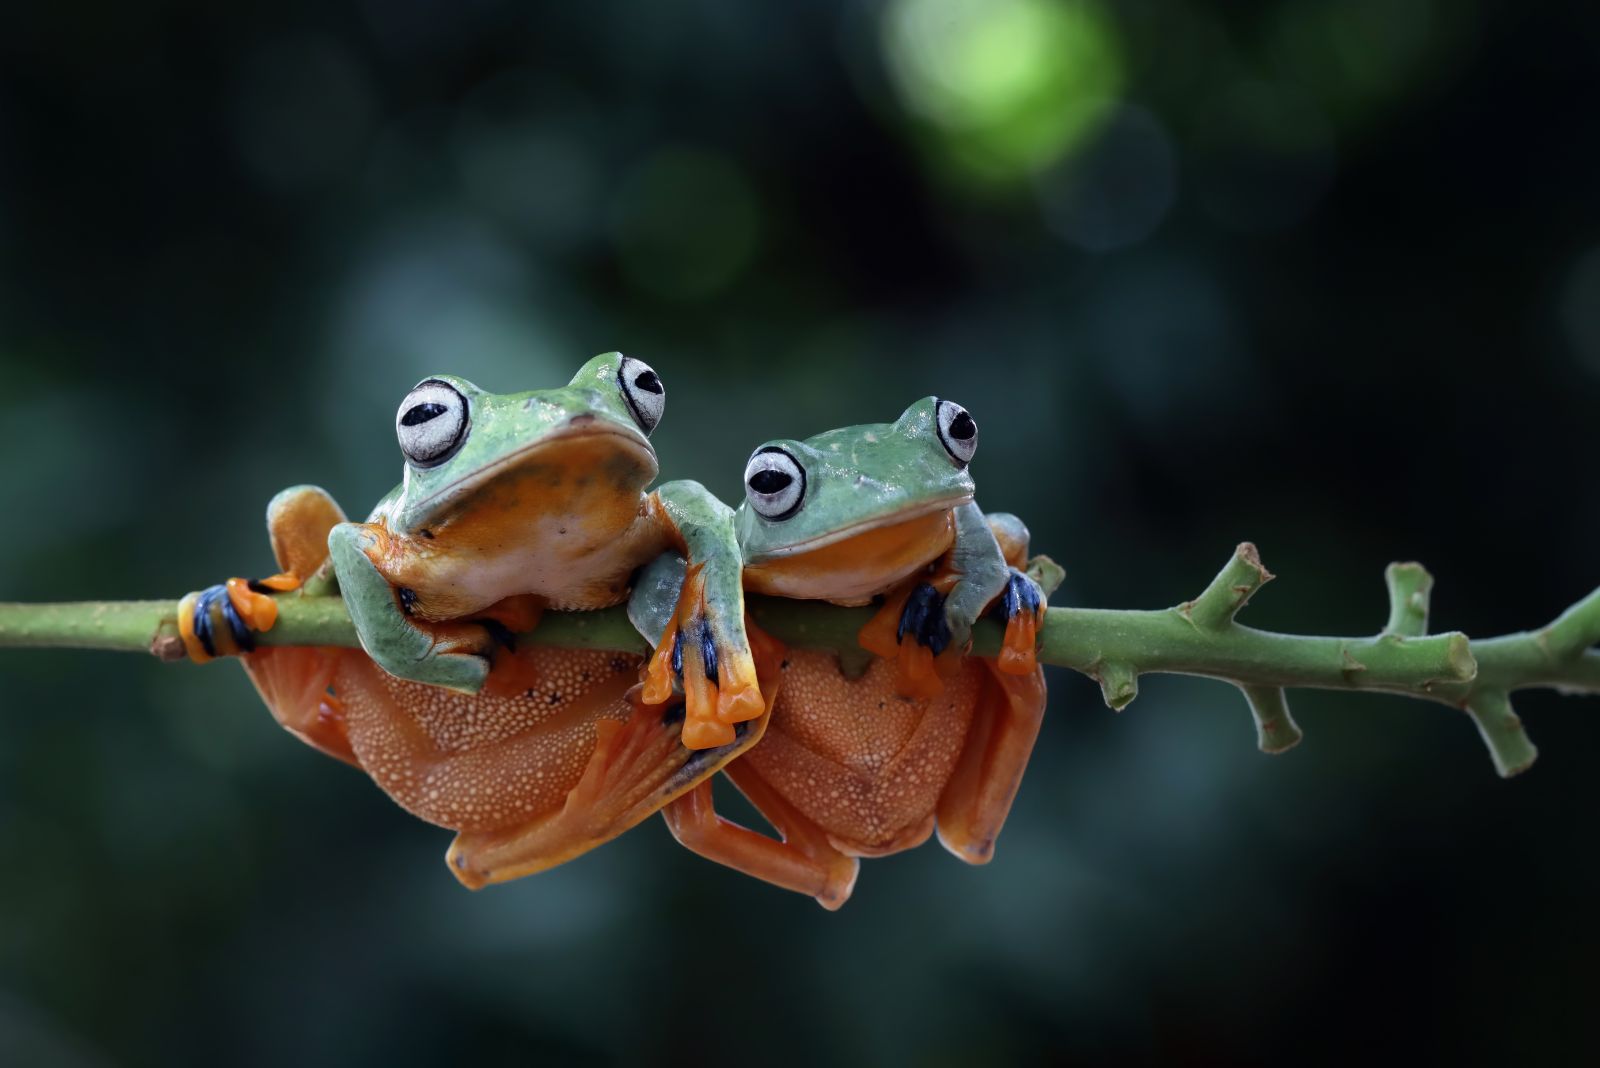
222 620
708 654
454 654
913 629
1021 609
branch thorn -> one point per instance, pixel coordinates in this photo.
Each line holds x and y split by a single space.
1276 730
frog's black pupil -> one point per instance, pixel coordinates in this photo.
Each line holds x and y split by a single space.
769 481
648 381
962 427
422 413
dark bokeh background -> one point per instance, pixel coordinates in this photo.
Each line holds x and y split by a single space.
1322 275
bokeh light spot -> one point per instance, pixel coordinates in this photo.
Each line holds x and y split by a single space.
1116 193
686 224
1008 86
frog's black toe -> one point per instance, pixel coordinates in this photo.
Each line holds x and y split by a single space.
708 652
205 629
1021 594
923 619
500 634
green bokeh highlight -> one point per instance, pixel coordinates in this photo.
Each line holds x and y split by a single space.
1006 87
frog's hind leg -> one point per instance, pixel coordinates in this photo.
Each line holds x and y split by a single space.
222 619
978 795
296 685
637 766
802 859
294 681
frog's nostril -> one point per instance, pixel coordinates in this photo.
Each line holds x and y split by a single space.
581 420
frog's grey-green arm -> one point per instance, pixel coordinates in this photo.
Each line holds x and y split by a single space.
976 556
1114 647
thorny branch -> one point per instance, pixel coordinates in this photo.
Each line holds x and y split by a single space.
1113 647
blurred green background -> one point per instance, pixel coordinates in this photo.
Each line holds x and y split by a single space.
1322 275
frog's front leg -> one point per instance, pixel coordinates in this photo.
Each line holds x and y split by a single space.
1020 607
453 655
705 644
981 573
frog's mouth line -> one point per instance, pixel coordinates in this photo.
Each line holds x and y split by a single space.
513 460
833 537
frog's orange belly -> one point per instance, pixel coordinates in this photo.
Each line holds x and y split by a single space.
484 762
856 569
863 763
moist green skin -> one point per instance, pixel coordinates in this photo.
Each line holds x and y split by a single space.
503 425
860 476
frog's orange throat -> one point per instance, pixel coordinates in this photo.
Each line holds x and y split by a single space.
568 521
852 570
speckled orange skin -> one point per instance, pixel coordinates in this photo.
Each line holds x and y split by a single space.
858 768
529 777
852 769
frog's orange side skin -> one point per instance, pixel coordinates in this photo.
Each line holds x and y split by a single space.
852 769
530 776
533 779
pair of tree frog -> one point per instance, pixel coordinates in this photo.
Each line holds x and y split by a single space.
511 504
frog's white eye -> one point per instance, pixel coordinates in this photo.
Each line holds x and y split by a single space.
774 483
642 389
958 433
431 423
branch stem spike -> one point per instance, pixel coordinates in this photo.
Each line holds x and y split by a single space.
1410 586
1119 684
1502 732
1234 585
1276 730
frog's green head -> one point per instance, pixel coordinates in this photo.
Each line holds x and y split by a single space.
459 440
803 495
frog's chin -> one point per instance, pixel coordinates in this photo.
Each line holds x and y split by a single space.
628 445
892 518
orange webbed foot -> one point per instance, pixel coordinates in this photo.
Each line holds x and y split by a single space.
1022 605
910 629
719 682
222 620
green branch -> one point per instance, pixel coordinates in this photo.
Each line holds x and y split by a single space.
1113 647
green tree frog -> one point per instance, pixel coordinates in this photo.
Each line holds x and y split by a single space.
511 504
923 738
